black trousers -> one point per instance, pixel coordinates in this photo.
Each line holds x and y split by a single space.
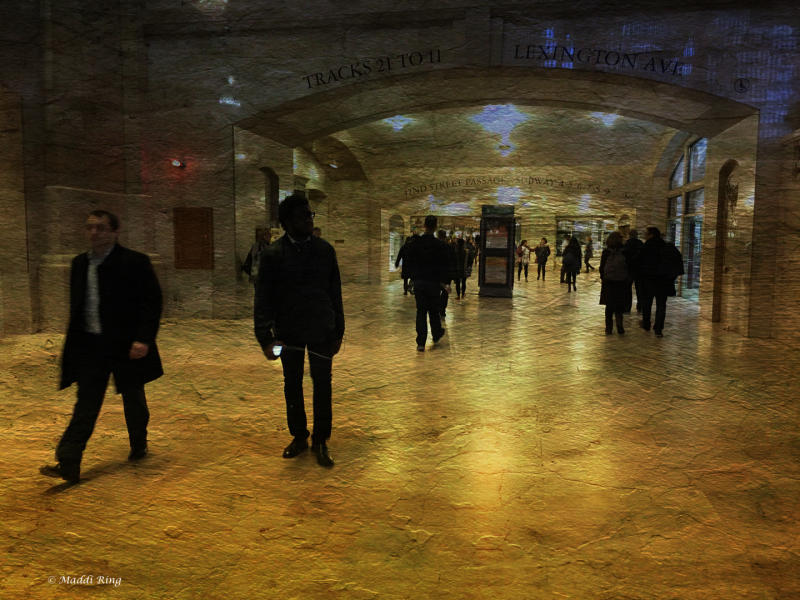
570 277
461 286
444 297
95 367
611 315
586 262
521 266
541 268
405 285
651 289
293 362
428 299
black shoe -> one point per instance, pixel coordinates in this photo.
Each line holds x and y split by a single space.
620 331
645 326
137 453
321 451
659 334
420 348
69 473
297 446
440 336
609 331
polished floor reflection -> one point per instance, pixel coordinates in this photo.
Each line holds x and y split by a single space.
527 456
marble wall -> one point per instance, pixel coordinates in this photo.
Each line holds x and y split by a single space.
111 96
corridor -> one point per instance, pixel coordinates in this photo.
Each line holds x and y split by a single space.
526 456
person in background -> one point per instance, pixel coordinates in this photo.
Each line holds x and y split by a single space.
542 251
660 263
523 259
250 265
402 259
588 253
632 249
451 268
471 254
571 263
615 279
429 264
564 244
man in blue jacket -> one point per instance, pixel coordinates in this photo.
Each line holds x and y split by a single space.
115 307
298 305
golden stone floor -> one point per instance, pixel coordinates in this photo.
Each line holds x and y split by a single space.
529 456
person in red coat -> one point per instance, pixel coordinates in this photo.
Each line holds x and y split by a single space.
115 309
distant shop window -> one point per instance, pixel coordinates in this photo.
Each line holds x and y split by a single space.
676 180
697 160
193 228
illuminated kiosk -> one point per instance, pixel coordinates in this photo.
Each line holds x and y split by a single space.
496 266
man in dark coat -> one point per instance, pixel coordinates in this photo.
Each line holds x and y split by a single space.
632 249
401 258
115 308
430 266
298 304
660 263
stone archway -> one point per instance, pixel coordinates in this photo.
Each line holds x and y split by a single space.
727 196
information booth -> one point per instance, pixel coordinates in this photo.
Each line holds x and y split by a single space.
496 267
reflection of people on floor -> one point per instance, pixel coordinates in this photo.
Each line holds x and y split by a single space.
660 263
298 305
615 282
430 265
115 308
571 263
250 265
633 248
542 251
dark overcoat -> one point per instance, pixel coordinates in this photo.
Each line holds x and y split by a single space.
130 311
614 294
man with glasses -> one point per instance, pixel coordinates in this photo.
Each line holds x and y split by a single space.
298 305
115 308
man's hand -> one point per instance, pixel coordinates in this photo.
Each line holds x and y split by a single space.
446 288
138 350
268 350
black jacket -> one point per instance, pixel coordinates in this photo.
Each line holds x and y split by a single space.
298 294
130 310
632 248
429 260
660 262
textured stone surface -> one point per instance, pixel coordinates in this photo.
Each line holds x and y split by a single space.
528 456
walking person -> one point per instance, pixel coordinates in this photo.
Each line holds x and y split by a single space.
298 305
632 249
615 279
451 267
571 263
542 251
430 271
588 253
461 268
660 263
403 260
250 265
471 255
523 259
564 244
114 312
